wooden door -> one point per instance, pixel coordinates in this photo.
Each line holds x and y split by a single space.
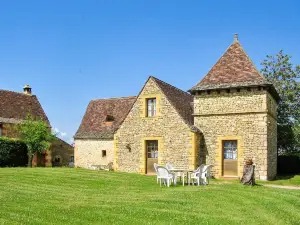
152 155
230 158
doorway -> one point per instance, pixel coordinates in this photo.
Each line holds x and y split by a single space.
152 155
230 158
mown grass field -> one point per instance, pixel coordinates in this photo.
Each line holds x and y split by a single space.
78 196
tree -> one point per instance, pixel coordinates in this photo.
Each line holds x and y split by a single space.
36 135
285 77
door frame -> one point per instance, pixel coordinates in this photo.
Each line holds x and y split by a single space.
148 160
143 159
237 166
220 156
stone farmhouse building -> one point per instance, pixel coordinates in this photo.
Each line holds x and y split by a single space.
14 109
224 120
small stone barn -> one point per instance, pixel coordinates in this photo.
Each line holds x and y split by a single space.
224 120
94 140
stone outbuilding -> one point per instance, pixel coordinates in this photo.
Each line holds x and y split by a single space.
229 117
14 109
94 140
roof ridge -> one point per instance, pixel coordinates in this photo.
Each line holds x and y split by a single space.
171 86
15 92
172 104
234 66
234 42
113 98
251 62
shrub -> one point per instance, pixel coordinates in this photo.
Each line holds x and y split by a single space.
13 152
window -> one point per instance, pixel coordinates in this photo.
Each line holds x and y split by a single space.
1 130
109 118
152 149
103 153
151 107
57 159
230 149
72 158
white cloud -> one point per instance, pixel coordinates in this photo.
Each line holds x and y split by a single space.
58 133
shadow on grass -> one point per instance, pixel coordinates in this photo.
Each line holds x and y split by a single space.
286 176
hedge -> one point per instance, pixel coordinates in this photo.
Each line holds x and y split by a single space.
13 153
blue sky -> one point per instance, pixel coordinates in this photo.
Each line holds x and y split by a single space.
73 51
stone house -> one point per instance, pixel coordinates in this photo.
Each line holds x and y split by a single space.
14 108
62 153
228 118
94 140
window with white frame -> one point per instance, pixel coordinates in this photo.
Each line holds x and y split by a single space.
151 107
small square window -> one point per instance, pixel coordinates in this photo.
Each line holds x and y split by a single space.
109 118
103 153
57 159
151 107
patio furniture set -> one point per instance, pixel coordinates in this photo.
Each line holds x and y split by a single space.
168 175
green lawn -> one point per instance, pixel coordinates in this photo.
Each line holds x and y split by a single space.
78 196
286 180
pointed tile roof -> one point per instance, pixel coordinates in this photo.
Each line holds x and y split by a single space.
233 69
94 124
180 100
15 107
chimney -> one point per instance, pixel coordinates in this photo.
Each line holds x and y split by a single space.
236 37
27 90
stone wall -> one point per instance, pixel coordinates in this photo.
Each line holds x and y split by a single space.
175 140
241 116
89 152
62 150
10 130
272 137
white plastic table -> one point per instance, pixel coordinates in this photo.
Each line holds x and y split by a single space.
183 171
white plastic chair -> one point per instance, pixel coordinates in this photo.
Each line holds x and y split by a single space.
205 175
155 165
165 174
169 166
196 175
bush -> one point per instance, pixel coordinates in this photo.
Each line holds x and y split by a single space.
13 152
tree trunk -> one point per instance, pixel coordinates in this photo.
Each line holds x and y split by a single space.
30 156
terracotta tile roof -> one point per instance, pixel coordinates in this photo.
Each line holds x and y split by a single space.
14 107
94 125
181 101
233 69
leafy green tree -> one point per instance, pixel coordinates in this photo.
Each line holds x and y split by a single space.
285 76
36 135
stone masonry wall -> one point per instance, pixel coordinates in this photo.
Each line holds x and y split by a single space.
10 130
236 115
272 137
175 138
89 152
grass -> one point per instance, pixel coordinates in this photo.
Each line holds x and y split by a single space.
286 180
78 196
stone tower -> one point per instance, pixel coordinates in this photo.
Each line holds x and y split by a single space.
235 108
